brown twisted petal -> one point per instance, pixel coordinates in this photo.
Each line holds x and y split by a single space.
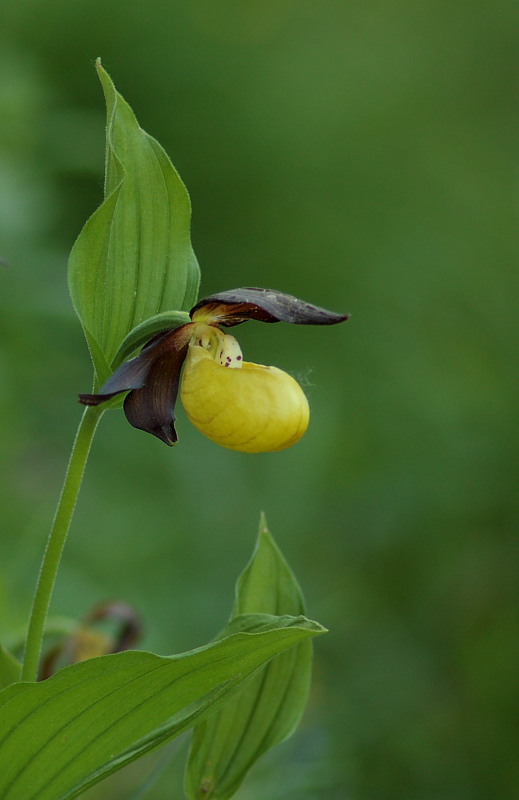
152 379
131 375
267 305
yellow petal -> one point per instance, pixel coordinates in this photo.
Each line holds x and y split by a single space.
254 409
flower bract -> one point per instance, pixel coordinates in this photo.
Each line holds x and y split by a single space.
238 404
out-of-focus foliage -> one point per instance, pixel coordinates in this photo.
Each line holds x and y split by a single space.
365 157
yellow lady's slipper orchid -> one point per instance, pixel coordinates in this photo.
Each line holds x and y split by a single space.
238 404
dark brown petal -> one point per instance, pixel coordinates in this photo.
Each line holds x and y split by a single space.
152 379
134 373
151 407
131 375
267 305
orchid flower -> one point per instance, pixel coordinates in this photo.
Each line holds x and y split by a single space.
238 404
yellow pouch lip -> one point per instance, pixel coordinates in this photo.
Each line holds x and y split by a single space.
253 409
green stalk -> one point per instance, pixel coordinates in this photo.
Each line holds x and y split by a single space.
56 540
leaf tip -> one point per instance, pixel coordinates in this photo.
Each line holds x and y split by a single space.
263 527
322 629
101 72
104 77
265 539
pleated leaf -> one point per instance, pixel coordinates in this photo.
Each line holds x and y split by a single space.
133 259
10 668
267 710
62 735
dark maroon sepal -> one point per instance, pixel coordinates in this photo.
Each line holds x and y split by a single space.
267 305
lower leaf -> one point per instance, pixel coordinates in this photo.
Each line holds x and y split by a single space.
267 710
10 668
62 735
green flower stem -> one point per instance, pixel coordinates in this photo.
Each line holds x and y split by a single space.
56 540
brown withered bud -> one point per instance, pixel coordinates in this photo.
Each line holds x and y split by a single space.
88 641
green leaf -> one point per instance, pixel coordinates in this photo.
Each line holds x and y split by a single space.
10 668
133 259
269 707
62 735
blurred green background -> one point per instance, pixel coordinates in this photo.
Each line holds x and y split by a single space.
363 156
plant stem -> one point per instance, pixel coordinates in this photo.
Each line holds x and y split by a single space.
56 540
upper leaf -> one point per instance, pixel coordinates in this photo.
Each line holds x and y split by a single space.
269 707
62 735
133 259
